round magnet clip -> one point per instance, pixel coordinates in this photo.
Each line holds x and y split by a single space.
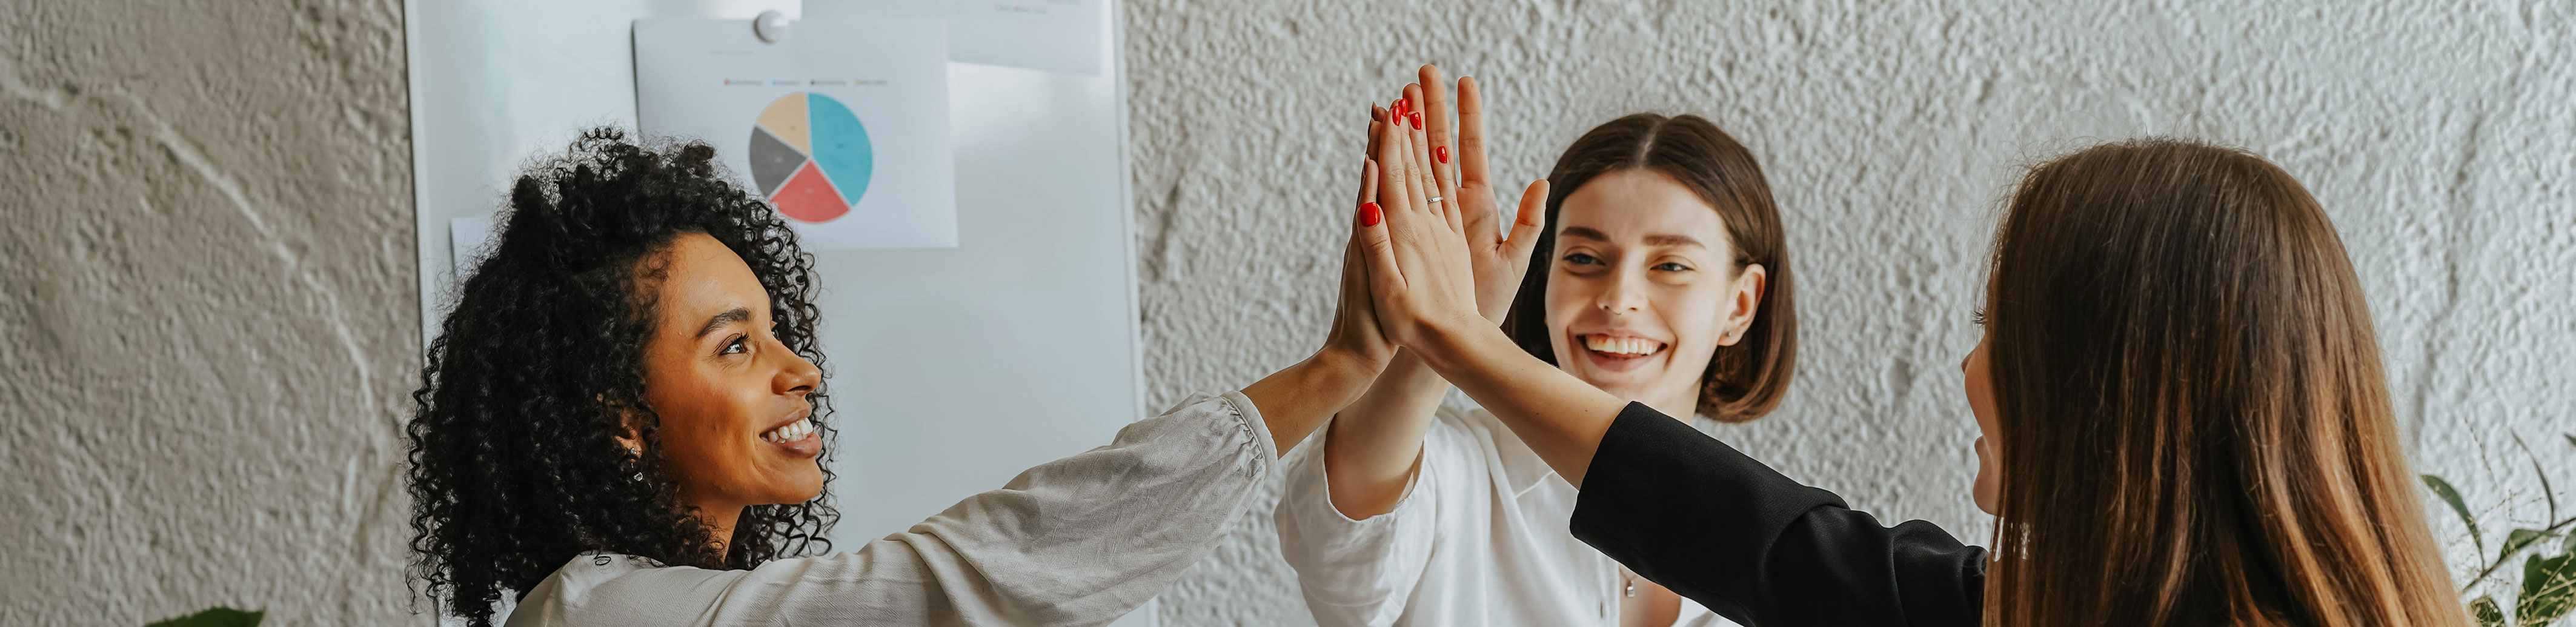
771 26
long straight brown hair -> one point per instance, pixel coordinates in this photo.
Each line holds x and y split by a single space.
2195 429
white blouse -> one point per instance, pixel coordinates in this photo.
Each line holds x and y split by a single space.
1077 541
1480 538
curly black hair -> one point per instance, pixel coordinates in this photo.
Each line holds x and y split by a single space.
538 369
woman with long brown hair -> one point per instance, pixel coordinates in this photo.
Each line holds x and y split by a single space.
2184 419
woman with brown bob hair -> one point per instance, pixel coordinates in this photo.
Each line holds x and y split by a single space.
1661 276
2184 418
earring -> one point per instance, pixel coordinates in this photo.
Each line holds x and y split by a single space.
634 460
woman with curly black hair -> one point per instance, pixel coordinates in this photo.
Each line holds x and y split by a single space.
622 423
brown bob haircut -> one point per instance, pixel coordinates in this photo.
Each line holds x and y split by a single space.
2194 425
1743 381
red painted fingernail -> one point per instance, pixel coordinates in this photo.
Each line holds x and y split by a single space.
1441 153
1417 120
1369 213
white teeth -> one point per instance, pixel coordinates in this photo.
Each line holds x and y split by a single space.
794 431
1622 345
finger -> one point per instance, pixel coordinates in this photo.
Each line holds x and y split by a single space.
1469 127
1436 125
1410 160
1394 194
1358 315
1377 241
1434 216
1390 188
1421 138
1377 114
1527 224
1429 186
1471 133
1368 169
1428 167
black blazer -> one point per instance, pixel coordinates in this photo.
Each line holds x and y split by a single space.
1686 511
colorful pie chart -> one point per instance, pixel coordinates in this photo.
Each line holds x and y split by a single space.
810 156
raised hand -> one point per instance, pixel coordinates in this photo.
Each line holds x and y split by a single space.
1419 272
1355 351
1499 259
1355 323
1426 281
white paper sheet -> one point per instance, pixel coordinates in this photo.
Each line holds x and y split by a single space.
1053 35
843 126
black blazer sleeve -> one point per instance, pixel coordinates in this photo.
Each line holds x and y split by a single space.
1686 511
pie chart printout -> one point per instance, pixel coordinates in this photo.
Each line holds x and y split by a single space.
810 156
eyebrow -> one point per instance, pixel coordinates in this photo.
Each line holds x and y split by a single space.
1657 239
1666 239
736 314
1585 232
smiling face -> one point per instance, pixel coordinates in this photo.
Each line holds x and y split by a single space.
1643 288
731 398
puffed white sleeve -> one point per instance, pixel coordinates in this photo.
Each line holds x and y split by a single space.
1356 572
1078 541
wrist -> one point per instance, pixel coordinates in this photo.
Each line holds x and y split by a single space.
1452 343
1342 364
1408 372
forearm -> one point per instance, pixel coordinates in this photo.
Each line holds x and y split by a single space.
1374 445
1076 541
1560 417
1689 512
1295 400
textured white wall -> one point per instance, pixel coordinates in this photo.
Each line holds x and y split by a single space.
2438 135
206 310
207 320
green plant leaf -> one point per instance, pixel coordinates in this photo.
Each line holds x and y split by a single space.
2548 590
2484 609
218 616
2521 539
2546 491
2443 489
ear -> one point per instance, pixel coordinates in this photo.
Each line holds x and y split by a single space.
630 433
1742 302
